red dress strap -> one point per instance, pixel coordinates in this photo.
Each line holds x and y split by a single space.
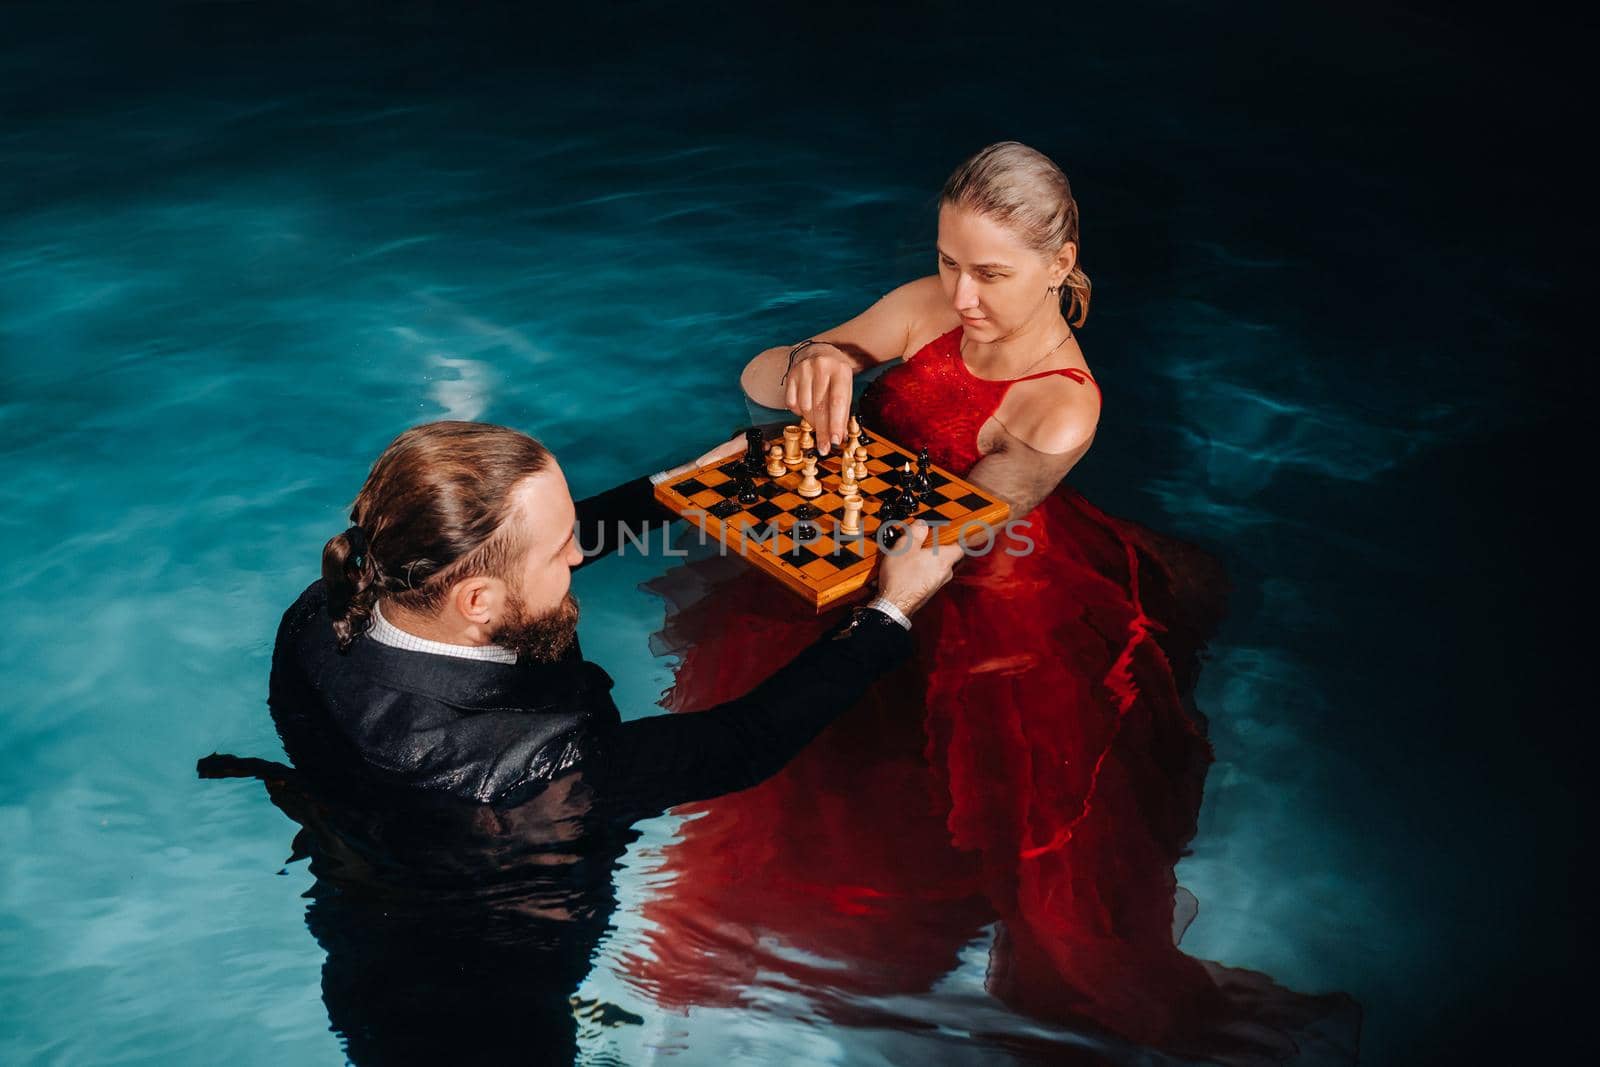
1074 373
1071 372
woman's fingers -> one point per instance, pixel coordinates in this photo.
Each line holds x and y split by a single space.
803 390
838 409
820 394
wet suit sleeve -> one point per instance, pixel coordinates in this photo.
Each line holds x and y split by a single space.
603 518
654 763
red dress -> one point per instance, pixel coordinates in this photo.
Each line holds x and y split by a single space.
1038 763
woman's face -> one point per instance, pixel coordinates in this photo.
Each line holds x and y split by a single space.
995 282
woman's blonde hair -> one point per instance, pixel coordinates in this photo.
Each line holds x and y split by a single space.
1022 189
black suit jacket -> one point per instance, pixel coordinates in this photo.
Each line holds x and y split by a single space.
492 732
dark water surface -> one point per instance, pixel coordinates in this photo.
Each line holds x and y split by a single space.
246 244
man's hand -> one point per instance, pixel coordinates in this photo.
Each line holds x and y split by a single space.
732 448
818 388
915 569
716 455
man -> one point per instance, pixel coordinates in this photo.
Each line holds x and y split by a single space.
439 653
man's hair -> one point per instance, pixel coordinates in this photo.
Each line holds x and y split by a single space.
433 511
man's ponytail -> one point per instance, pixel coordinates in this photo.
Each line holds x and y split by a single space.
350 575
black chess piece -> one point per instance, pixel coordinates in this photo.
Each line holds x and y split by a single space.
744 490
755 452
805 526
862 426
898 503
922 481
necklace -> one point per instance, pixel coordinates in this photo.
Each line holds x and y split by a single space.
1030 366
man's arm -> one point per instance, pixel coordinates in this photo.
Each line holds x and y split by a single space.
605 519
651 764
631 510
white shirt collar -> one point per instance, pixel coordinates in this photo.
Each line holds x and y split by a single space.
387 633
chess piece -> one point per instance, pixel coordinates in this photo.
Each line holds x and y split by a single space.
793 454
775 465
744 490
861 463
805 525
808 440
847 478
809 485
851 522
755 450
852 436
861 433
922 482
900 503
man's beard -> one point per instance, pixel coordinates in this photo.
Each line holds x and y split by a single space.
537 638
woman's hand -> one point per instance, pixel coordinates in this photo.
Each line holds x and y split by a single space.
818 389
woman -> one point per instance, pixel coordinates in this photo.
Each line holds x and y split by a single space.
1040 764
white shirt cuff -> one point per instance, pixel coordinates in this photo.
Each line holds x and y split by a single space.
886 606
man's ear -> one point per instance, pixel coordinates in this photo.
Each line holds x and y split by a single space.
478 599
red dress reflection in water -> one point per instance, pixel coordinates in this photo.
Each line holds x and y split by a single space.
1038 763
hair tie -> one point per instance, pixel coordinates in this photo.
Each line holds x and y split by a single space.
358 545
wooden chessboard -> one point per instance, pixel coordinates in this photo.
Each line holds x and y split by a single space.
834 564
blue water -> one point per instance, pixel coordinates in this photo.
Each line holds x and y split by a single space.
244 248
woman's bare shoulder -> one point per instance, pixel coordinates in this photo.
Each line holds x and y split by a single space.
1054 414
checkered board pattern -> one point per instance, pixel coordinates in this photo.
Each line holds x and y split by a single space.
834 564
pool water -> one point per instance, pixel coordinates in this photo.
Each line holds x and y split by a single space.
245 248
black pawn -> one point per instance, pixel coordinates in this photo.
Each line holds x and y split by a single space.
861 424
745 490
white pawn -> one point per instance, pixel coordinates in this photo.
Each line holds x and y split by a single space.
775 465
809 486
861 463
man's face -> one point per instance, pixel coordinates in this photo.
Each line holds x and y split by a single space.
540 615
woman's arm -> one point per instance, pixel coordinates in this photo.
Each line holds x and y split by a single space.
818 385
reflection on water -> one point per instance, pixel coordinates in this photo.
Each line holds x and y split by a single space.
454 933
